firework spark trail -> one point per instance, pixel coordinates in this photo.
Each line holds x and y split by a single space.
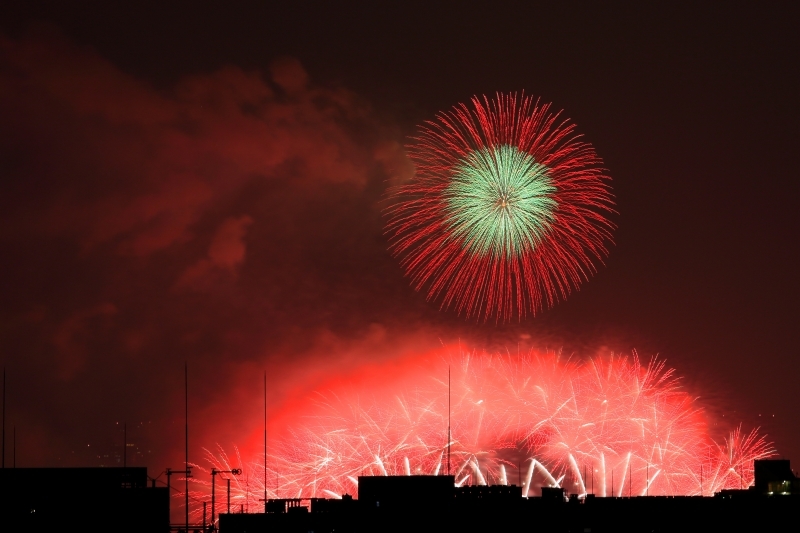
506 213
550 417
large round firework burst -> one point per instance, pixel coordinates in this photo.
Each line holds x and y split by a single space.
506 213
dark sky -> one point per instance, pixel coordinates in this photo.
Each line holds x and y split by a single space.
204 184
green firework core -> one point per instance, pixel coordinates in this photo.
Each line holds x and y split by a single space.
500 201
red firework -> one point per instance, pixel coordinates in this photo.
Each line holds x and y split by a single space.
610 426
506 213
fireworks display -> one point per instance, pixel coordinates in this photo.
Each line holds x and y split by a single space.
610 426
506 212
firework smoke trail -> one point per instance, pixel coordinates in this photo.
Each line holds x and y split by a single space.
506 213
538 418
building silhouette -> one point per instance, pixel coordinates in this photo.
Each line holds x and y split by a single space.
81 499
120 499
433 503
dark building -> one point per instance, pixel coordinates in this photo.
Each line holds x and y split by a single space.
404 493
81 499
432 503
553 494
487 493
775 477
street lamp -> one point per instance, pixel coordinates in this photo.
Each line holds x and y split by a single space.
214 472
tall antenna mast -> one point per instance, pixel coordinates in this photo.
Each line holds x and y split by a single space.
124 445
4 418
265 442
449 439
186 405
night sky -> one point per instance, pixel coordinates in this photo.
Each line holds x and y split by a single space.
207 184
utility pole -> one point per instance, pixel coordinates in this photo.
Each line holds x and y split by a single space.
4 418
449 436
186 406
169 473
265 445
214 472
213 498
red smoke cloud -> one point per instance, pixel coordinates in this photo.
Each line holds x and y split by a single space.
139 167
231 220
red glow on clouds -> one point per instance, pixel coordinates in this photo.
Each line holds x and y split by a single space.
206 220
231 219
